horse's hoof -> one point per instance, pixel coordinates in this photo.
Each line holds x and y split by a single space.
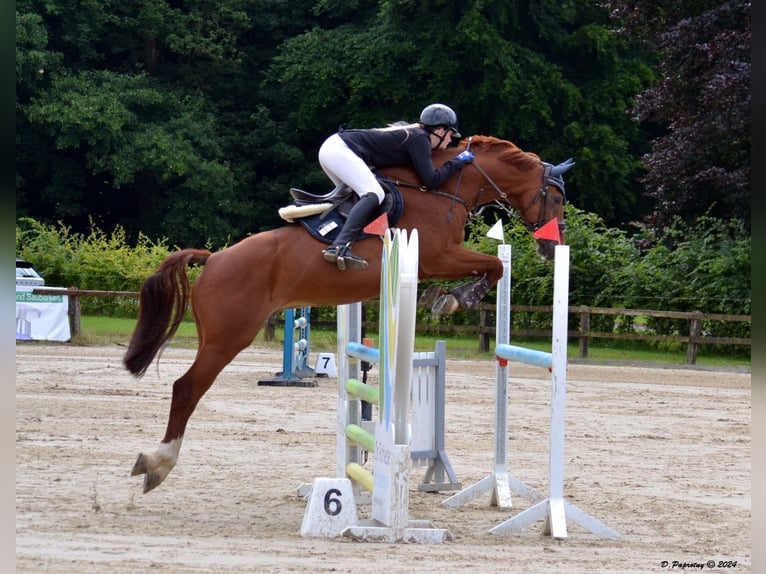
430 296
151 481
140 466
445 305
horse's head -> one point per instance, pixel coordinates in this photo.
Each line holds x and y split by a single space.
509 176
551 198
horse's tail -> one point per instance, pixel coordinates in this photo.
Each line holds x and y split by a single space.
162 303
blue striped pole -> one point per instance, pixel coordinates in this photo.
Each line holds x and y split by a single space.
362 352
524 355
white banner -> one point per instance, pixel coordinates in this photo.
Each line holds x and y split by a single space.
41 317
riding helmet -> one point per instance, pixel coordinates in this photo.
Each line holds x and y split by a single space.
436 115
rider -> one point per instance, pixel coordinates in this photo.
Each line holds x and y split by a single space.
347 156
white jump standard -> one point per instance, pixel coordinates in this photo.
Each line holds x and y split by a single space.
553 509
500 482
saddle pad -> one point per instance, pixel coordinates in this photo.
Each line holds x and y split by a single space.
292 212
327 229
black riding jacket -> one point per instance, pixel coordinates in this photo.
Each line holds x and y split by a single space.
406 146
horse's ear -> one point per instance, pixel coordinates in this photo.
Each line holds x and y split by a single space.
562 167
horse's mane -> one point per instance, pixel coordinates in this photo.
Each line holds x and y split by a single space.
507 152
502 151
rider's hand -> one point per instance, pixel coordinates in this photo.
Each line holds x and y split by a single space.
465 156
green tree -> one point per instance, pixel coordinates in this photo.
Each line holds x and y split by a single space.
149 115
145 152
553 78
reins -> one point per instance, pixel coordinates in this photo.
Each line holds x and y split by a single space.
424 189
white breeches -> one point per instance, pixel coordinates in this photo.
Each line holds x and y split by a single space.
343 166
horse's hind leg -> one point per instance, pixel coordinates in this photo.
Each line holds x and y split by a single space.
187 391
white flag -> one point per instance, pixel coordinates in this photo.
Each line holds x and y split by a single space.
496 231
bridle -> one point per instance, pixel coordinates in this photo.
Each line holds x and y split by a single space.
501 201
540 197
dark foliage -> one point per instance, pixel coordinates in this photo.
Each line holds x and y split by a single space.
700 107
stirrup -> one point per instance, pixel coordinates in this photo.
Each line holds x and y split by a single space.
331 253
347 260
343 257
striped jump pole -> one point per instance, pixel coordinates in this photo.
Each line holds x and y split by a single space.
349 410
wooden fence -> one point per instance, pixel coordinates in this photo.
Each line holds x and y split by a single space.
485 329
694 340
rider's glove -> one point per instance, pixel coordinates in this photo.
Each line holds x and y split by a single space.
465 156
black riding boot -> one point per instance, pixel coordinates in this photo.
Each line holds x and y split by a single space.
340 250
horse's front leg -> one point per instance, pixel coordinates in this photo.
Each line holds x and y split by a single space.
456 264
466 296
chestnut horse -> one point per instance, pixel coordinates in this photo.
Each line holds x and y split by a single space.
242 285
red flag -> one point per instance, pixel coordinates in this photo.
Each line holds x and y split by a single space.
377 226
549 231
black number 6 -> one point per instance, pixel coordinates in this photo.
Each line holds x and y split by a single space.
332 505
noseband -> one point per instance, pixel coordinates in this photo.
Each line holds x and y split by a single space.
542 196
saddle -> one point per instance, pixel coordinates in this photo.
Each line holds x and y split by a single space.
323 215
